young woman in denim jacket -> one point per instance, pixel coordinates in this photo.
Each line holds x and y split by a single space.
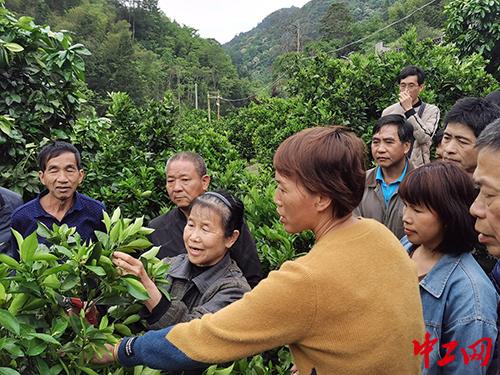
459 301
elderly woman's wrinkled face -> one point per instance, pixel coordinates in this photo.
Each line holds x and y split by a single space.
204 238
295 205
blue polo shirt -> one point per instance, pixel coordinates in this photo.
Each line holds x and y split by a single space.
388 190
85 214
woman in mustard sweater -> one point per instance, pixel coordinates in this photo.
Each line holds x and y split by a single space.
349 306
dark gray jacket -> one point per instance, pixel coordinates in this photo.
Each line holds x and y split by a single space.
372 205
9 201
210 291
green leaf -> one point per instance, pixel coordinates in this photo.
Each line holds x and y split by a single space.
97 270
140 243
8 321
8 371
42 256
116 215
28 248
136 289
36 347
45 337
18 302
3 295
70 282
132 319
51 281
13 47
106 220
58 327
43 230
123 329
88 371
5 126
9 344
104 322
150 254
11 262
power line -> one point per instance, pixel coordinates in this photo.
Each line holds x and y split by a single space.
269 85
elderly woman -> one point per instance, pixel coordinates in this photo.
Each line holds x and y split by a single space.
203 280
350 306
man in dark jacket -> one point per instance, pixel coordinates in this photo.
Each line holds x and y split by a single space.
187 178
391 146
9 201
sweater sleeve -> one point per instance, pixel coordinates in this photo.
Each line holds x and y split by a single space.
279 311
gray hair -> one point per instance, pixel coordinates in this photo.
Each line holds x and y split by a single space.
490 137
193 157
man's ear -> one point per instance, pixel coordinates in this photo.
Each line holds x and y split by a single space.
421 88
229 241
407 147
82 176
41 176
205 181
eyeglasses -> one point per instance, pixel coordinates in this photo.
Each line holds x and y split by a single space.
409 86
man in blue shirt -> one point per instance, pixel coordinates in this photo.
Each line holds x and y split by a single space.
9 201
61 173
391 148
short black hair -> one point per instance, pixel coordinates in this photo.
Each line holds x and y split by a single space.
490 137
438 137
230 208
53 150
475 113
405 129
445 188
412 70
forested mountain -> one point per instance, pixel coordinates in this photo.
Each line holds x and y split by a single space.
327 25
137 49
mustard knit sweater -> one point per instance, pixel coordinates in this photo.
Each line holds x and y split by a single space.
350 306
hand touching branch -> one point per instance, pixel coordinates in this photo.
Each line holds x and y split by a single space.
129 265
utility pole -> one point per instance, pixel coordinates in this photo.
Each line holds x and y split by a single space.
196 95
298 36
217 103
208 105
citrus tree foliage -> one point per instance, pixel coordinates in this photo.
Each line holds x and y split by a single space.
37 334
474 27
353 91
42 72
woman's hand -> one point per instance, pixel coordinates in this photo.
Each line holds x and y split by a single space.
105 356
128 265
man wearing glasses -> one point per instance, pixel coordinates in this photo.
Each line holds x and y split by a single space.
422 116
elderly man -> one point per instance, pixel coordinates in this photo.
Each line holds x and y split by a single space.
391 144
61 173
486 207
423 117
187 179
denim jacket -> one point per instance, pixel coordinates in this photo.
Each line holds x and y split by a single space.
460 304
